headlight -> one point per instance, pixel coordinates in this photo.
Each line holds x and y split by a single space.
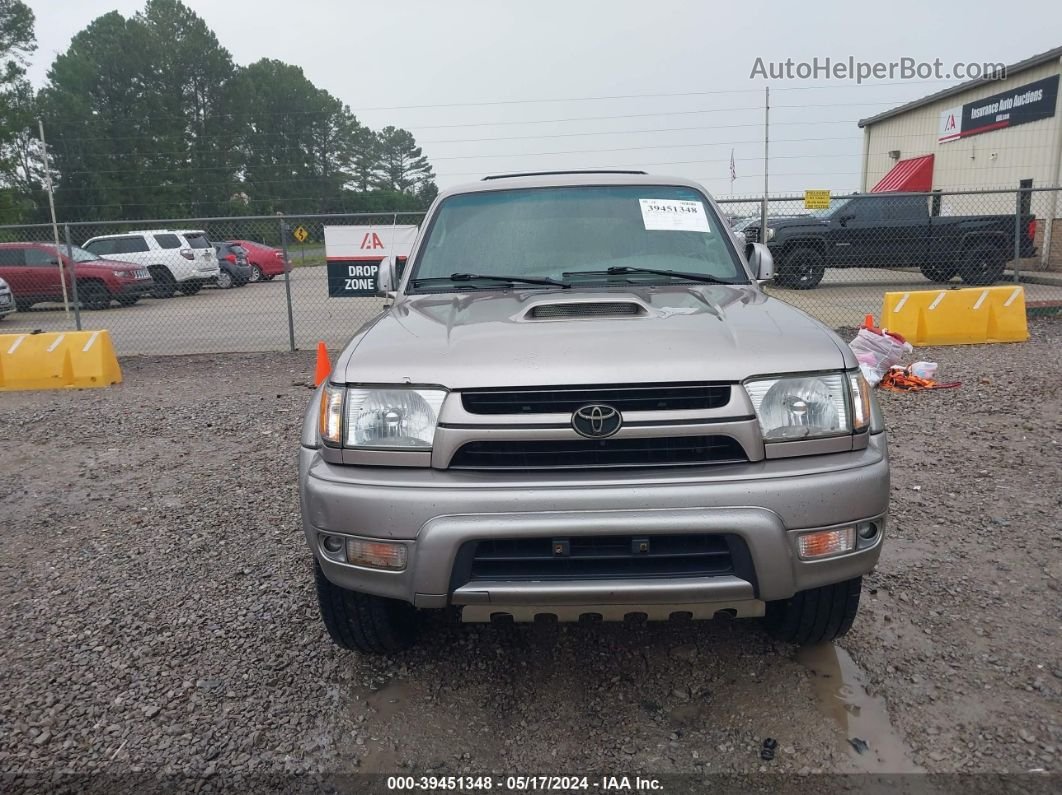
398 417
769 235
809 406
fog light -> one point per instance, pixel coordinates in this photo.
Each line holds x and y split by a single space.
868 530
376 554
332 544
825 543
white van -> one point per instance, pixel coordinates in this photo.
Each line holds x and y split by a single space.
184 260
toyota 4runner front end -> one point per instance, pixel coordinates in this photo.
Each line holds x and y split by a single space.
580 403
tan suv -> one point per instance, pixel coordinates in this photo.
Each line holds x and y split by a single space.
579 404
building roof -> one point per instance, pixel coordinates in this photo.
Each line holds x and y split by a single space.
1013 69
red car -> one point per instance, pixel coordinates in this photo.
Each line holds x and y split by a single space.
32 271
265 261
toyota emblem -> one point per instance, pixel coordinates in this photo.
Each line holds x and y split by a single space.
596 421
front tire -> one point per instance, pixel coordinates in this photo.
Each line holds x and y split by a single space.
817 615
983 265
93 296
937 273
165 285
801 269
363 622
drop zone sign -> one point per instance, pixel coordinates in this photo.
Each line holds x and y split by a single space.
354 254
1021 105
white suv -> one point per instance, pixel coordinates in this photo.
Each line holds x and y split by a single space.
183 260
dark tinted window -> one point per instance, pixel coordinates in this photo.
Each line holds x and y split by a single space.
12 256
864 210
168 241
197 240
101 247
133 244
904 208
38 257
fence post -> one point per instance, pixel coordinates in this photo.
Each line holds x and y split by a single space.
287 281
1017 235
73 269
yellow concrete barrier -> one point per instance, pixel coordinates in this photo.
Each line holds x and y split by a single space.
958 317
58 360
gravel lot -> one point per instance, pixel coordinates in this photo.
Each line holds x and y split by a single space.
158 621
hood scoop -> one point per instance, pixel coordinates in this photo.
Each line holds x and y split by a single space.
572 310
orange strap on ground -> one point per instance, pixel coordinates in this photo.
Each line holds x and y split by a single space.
898 380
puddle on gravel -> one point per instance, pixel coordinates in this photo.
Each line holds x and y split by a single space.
839 686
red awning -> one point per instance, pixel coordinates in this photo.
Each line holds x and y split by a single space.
915 174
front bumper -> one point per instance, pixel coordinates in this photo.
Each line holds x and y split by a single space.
138 288
434 512
7 303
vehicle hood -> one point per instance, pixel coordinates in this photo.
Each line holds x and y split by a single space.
790 221
684 333
107 265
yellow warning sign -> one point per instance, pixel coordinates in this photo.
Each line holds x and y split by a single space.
816 200
300 233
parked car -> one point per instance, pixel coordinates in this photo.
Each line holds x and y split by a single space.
7 300
32 271
892 230
266 262
235 272
182 260
609 419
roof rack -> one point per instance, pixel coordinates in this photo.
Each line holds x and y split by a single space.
559 173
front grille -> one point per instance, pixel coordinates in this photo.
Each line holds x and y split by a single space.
598 557
580 453
565 400
586 309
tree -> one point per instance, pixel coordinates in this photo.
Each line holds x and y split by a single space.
17 42
16 95
402 165
102 117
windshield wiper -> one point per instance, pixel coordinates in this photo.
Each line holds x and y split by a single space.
471 277
618 270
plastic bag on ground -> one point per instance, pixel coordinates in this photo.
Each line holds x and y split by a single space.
878 350
927 370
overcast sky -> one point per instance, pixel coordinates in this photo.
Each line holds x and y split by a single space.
583 83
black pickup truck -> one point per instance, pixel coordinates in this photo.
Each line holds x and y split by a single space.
892 230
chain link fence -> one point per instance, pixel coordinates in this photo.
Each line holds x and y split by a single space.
259 283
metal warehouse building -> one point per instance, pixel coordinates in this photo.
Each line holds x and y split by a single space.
982 134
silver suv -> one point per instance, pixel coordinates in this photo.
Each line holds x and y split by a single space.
581 404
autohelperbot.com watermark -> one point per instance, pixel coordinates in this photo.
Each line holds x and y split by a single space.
852 68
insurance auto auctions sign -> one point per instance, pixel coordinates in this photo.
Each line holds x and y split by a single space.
354 254
1021 105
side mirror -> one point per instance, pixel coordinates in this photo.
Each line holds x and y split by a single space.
53 261
386 282
844 219
760 261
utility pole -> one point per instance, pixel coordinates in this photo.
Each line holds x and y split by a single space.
766 137
55 226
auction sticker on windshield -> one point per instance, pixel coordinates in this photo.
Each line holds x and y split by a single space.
674 214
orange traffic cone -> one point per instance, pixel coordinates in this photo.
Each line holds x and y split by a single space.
324 367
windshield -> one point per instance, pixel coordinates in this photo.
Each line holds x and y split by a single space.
835 205
575 234
78 254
